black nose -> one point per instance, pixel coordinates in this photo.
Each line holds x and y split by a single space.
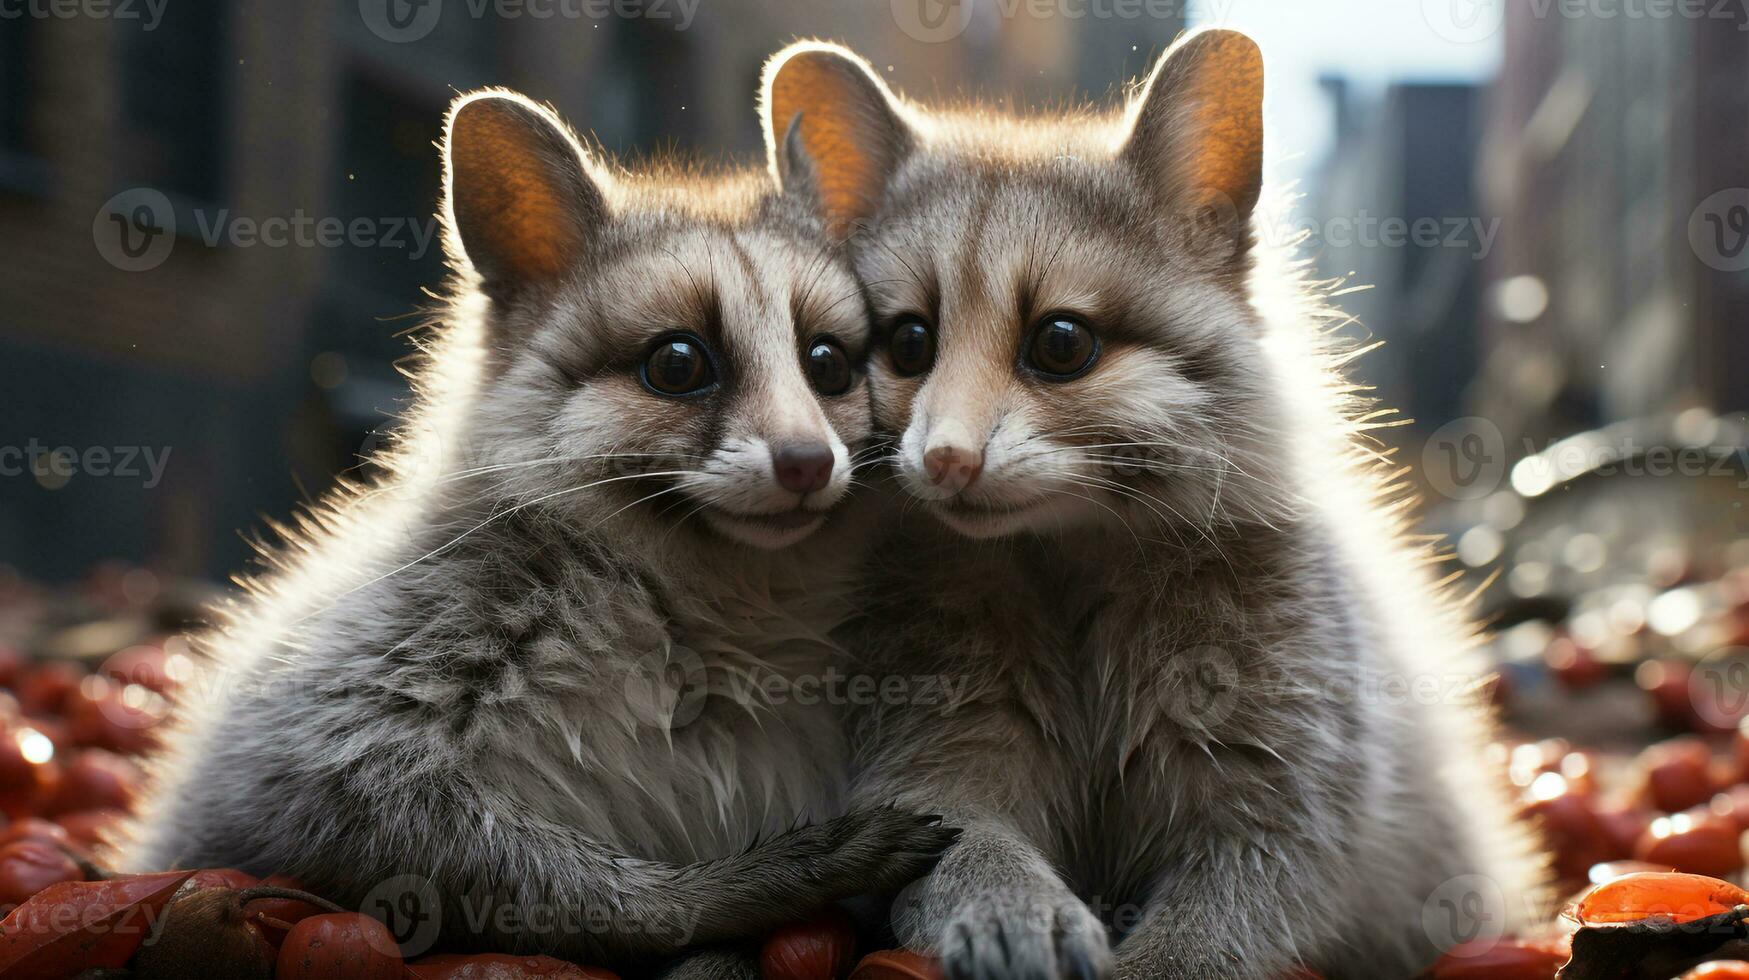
803 467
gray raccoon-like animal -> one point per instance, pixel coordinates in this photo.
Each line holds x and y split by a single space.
447 687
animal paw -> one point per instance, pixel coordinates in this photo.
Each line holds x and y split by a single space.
1023 937
877 850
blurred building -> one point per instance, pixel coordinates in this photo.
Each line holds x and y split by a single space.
1395 212
255 371
1618 154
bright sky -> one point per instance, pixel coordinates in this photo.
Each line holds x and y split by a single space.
1371 42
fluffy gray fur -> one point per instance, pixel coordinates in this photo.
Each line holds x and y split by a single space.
461 673
1198 640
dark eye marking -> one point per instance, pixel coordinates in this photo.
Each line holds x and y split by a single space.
679 365
828 366
1061 348
910 345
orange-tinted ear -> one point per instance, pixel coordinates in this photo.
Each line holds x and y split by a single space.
831 123
1197 127
521 203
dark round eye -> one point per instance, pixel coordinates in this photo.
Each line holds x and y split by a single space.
1063 348
828 367
678 366
912 347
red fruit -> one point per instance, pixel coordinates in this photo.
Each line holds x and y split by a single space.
1573 665
38 829
95 779
1532 759
1676 774
821 947
1678 897
83 925
1719 970
205 932
43 690
896 964
1732 804
11 665
54 729
26 772
1575 834
1666 683
276 916
1624 825
1500 959
87 827
110 716
29 866
147 666
339 946
1702 847
501 966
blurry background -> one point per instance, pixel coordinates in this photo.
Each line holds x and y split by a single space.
216 218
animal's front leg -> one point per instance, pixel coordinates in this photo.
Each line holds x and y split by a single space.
1214 919
1255 871
994 909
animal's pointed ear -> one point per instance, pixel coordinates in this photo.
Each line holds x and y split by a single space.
1196 130
521 203
831 122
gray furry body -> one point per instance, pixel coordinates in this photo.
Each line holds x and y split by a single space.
1197 739
541 667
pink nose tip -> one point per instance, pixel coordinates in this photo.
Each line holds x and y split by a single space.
803 467
952 469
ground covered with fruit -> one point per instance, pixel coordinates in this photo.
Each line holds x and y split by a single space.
1632 753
